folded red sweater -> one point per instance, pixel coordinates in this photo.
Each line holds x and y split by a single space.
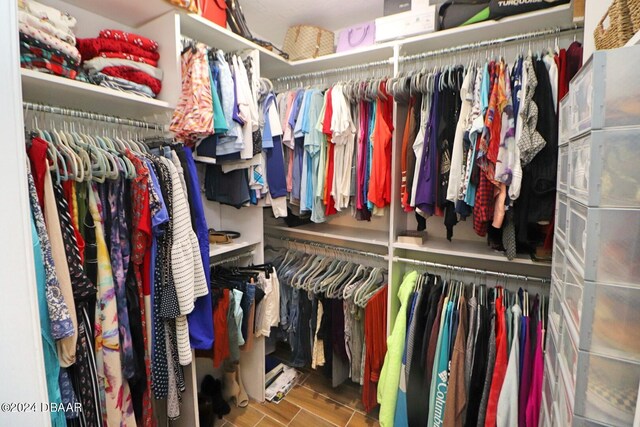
90 48
136 39
130 57
134 75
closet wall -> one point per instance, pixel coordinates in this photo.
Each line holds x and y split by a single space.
19 319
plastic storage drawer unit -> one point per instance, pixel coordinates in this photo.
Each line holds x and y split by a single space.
559 262
611 253
604 93
607 389
603 169
611 321
564 398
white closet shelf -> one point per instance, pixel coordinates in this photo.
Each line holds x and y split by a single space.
62 92
465 249
217 250
205 31
554 17
337 232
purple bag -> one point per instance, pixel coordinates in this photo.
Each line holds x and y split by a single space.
356 37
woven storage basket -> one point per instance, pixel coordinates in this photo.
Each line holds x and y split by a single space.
619 30
634 11
307 41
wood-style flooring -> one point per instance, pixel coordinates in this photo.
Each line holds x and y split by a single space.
313 402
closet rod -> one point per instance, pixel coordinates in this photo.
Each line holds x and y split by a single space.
469 270
357 67
330 247
488 43
232 259
79 114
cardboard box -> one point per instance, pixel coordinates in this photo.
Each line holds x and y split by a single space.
393 7
406 24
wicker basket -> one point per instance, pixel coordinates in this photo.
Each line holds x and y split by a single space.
307 41
619 30
634 11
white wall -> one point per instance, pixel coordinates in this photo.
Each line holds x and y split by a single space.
594 11
22 377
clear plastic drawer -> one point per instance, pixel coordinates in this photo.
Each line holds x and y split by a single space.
549 385
581 95
611 321
604 168
572 294
583 422
564 398
605 92
551 352
568 356
577 232
611 252
564 117
607 389
563 168
579 163
559 261
561 217
555 303
545 410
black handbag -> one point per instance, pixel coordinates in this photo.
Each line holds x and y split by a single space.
501 8
456 13
236 20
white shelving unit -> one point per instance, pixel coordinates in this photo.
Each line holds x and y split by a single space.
157 19
54 90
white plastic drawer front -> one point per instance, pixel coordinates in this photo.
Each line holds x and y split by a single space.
579 164
577 233
548 387
614 246
564 117
572 294
607 389
564 398
611 321
563 168
559 262
561 216
568 356
581 92
551 356
612 176
555 303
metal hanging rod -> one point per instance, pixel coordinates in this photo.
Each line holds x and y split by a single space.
489 43
330 247
357 67
470 270
79 114
232 259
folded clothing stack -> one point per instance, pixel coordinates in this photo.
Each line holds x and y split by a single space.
122 61
47 41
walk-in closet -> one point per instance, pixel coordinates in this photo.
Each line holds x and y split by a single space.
397 213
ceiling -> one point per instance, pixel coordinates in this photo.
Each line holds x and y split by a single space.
269 19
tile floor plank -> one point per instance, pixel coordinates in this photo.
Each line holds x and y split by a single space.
269 422
244 417
320 405
361 420
347 393
307 419
283 412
